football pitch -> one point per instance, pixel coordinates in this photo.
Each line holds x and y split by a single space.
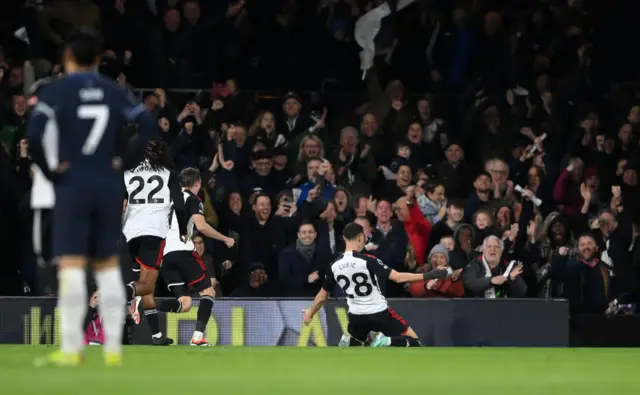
327 371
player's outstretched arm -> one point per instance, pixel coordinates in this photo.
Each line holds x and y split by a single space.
400 277
207 230
318 302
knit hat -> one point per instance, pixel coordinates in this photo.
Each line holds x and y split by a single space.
439 249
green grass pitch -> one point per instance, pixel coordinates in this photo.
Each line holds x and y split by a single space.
327 371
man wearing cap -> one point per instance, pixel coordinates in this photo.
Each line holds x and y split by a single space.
262 176
293 123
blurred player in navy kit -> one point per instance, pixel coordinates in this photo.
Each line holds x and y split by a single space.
73 132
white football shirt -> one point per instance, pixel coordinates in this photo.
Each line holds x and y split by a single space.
359 275
148 202
192 206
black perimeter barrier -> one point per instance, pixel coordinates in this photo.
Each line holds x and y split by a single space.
278 322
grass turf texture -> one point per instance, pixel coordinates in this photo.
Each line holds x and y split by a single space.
310 371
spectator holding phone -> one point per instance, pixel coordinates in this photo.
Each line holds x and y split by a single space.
317 186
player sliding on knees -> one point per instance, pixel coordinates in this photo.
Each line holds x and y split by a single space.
151 192
182 268
371 321
73 132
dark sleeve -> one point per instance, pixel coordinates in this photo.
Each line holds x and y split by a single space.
175 191
379 269
42 122
329 282
474 280
517 288
437 274
192 207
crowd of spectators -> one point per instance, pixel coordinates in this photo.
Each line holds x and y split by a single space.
491 131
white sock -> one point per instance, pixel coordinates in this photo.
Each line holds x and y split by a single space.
197 335
111 307
73 302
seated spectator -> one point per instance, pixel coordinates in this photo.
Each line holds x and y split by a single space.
258 284
303 264
449 287
199 244
484 276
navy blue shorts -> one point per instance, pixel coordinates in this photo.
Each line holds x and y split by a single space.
87 221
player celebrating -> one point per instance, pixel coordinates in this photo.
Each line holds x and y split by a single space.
358 275
72 133
151 188
182 268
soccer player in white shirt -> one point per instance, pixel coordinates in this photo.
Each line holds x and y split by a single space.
151 190
371 320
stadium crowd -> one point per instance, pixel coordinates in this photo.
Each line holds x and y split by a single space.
491 131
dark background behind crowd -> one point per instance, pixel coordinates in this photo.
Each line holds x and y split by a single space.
479 118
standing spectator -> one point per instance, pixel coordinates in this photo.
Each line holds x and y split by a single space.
586 281
432 201
454 172
484 276
418 228
292 123
302 265
354 164
262 234
13 124
447 225
261 176
618 237
318 184
389 242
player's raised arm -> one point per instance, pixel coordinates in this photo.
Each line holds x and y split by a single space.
42 133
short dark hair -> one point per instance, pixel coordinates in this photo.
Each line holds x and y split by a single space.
306 222
259 195
189 177
352 230
483 173
455 203
85 46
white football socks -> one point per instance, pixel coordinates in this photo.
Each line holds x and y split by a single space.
111 307
73 303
